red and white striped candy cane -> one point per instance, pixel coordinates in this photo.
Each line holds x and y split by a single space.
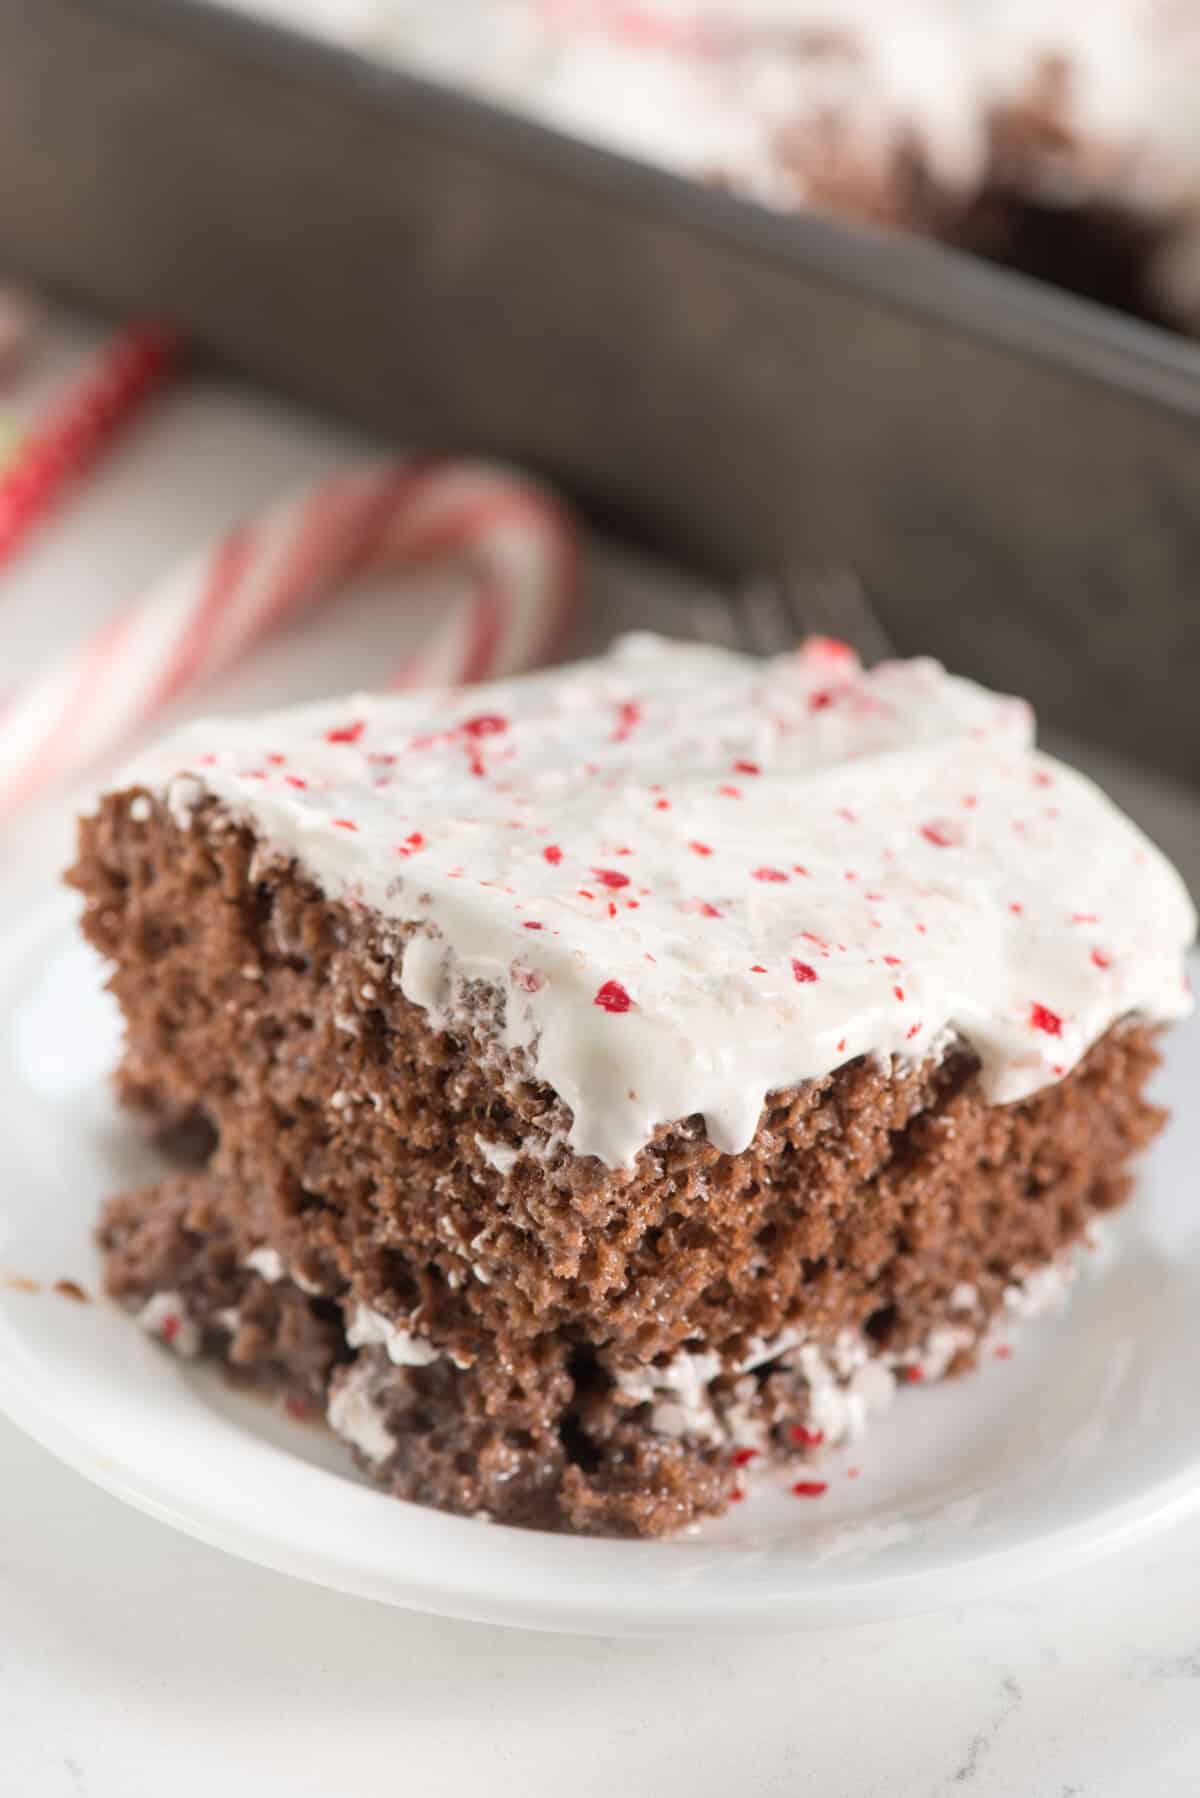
508 541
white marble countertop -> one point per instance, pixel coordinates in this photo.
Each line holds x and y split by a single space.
135 1662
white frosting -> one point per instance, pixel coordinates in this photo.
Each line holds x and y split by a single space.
166 1316
266 1263
899 863
368 1327
697 878
498 1155
847 1381
355 1414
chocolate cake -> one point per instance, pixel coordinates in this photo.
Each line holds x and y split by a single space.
614 1080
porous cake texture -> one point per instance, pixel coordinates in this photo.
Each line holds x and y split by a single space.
617 1079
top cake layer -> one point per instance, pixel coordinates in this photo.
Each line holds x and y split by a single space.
697 878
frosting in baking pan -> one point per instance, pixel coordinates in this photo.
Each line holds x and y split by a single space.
697 878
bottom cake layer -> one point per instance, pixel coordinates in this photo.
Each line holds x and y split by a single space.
546 1440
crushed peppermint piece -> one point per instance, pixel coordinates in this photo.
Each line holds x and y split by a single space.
1042 1018
613 997
800 1433
803 973
610 877
810 1488
942 834
553 854
346 733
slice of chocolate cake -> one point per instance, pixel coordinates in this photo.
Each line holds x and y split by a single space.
626 1073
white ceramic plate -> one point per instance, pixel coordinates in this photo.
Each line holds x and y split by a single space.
1086 1438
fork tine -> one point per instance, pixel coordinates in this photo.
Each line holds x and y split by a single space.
766 623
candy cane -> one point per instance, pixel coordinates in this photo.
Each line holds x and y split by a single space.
508 542
77 429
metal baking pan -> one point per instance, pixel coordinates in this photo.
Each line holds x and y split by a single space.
1015 473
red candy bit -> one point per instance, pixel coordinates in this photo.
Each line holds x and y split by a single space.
345 824
841 1048
970 801
530 925
807 1438
803 973
1041 778
700 848
629 716
758 968
742 1457
169 1328
346 733
276 760
942 833
1042 1018
411 844
662 805
797 869
707 910
747 767
296 780
914 1375
899 992
613 997
730 792
486 724
612 910
736 1496
819 701
852 1473
1101 958
584 893
1016 908
611 877
913 1030
768 874
893 961
810 1488
552 854
832 649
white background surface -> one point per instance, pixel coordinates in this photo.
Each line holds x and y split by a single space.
137 1664
133 1661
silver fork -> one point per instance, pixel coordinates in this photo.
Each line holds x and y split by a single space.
771 615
